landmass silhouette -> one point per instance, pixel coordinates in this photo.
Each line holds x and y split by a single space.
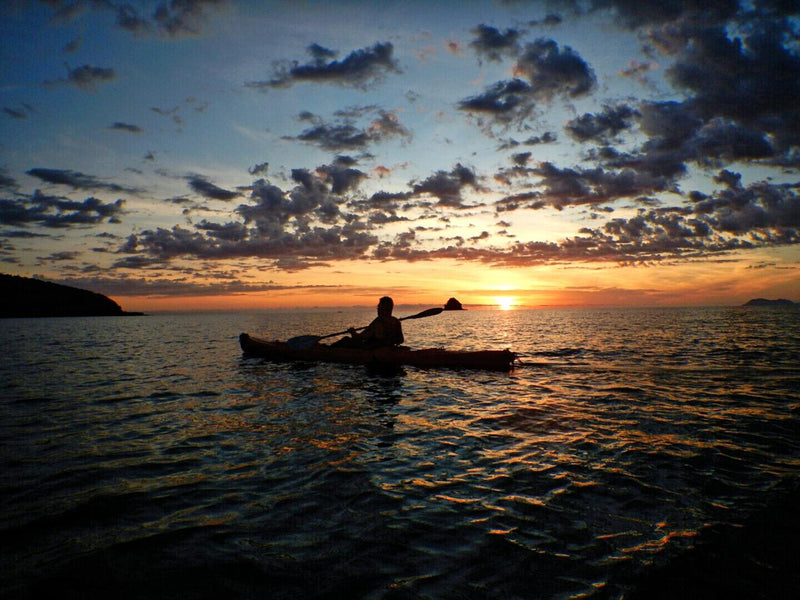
25 297
765 302
453 304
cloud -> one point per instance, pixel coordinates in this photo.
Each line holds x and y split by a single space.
318 195
57 212
205 188
64 256
77 180
182 17
563 187
654 12
504 101
360 69
20 113
259 169
753 80
447 186
345 134
72 46
318 243
86 77
554 71
7 182
219 282
602 126
492 44
335 137
125 127
542 72
550 20
638 71
175 18
341 177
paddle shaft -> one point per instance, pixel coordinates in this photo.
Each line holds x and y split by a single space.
425 313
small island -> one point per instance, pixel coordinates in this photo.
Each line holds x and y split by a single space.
453 304
23 297
766 302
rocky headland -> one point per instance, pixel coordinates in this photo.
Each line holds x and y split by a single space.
25 297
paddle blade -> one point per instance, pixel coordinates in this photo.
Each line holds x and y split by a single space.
425 313
303 342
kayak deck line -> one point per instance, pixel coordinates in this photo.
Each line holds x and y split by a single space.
492 360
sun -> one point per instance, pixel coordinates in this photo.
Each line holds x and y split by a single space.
505 302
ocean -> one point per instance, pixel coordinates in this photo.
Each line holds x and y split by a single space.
145 457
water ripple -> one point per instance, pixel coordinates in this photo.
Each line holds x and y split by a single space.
148 455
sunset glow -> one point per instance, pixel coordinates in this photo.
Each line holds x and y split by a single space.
241 154
505 302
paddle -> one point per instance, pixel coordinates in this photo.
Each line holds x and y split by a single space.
303 342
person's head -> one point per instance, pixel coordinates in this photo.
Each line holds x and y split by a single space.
385 306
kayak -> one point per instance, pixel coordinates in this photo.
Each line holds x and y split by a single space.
493 360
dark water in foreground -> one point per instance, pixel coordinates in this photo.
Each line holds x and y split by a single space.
144 457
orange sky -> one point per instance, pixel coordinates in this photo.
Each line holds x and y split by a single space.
730 282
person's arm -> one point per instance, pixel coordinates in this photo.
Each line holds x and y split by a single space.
367 334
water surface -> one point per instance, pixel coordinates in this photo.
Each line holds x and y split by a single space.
145 457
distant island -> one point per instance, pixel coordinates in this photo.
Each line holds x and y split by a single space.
765 302
453 304
26 297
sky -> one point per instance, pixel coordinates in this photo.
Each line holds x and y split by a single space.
212 154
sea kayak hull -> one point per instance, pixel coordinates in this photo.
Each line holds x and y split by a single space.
493 360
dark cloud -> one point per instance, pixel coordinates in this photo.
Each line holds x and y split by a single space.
72 46
230 232
638 13
317 243
318 195
129 19
554 71
529 200
607 124
7 182
447 186
764 210
335 137
546 138
569 187
175 18
753 81
341 177
65 256
542 72
521 158
492 44
57 212
205 188
550 20
20 113
345 134
259 169
86 77
504 102
77 180
125 127
361 68
215 283
183 17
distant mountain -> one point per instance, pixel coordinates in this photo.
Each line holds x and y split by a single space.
25 297
765 302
